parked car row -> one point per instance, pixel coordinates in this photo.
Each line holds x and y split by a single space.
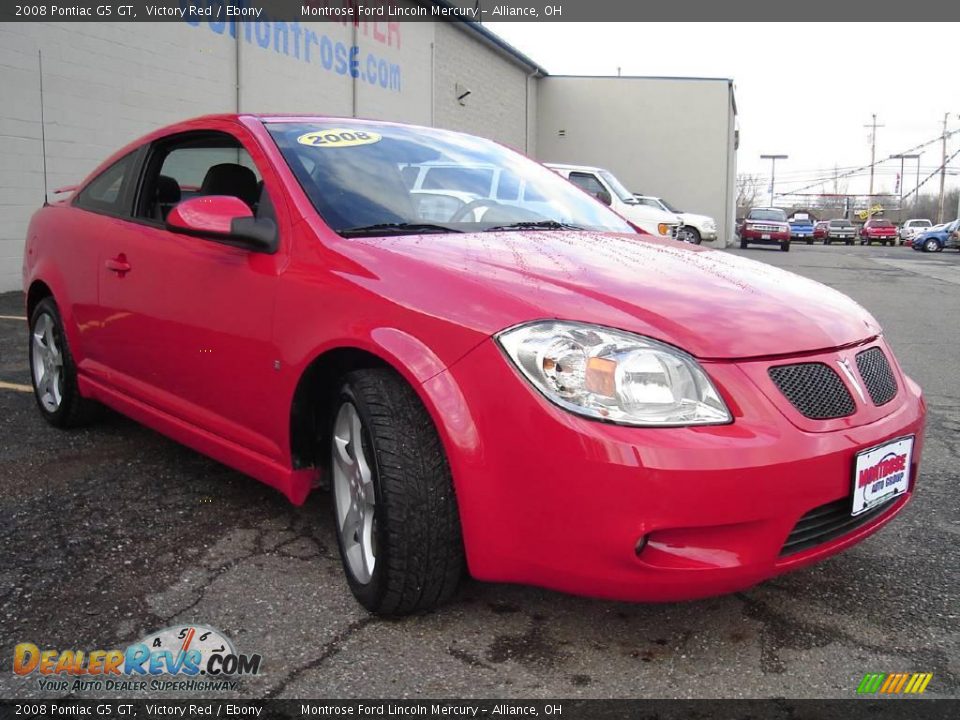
772 226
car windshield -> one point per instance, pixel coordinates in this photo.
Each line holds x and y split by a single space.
768 214
617 187
371 179
670 206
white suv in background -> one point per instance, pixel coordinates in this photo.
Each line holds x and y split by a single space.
604 186
911 228
695 228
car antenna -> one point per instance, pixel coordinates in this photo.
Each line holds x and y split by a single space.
43 134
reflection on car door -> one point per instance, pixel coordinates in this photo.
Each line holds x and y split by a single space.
192 318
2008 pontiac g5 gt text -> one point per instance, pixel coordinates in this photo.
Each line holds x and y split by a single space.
489 368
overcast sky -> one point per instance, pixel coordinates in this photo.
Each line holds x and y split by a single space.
807 94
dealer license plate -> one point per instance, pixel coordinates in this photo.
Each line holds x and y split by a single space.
881 473
765 236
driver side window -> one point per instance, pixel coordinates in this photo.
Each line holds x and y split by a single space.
587 182
196 165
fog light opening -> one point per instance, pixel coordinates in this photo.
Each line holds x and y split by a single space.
641 544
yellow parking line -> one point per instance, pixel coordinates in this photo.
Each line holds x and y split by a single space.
13 317
15 386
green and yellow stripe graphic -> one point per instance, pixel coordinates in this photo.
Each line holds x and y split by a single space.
894 683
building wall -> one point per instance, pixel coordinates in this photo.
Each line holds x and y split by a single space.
499 89
106 84
667 137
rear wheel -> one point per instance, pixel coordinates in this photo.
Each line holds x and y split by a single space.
785 246
395 512
53 371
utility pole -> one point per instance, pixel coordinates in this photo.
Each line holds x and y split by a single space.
873 149
773 170
943 169
901 158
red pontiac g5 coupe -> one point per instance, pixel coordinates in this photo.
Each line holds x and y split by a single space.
490 369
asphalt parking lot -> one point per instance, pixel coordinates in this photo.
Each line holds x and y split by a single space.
114 531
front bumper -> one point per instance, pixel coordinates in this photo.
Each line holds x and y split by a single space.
756 236
552 499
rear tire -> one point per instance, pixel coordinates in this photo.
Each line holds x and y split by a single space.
53 372
743 244
785 246
809 242
395 513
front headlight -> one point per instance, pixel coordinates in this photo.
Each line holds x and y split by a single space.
709 225
614 375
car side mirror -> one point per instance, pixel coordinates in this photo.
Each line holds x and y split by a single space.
225 219
604 197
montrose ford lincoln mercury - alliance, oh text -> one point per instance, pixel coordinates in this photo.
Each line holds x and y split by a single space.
516 383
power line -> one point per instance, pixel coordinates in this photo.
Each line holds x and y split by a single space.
862 168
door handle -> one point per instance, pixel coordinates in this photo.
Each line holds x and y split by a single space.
118 265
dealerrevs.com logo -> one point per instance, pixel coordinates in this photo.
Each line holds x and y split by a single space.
179 658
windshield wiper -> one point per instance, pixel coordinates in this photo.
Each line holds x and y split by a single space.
401 228
535 225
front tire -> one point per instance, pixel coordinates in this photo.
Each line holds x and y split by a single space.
931 245
395 511
53 372
743 244
690 235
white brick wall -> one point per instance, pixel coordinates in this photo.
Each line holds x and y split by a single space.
106 84
497 101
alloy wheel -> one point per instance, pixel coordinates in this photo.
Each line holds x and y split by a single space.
47 364
354 494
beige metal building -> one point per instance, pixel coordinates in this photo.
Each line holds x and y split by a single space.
674 138
105 84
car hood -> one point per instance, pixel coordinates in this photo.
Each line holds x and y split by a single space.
712 304
695 218
645 212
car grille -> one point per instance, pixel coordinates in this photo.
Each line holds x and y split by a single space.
877 375
827 522
766 228
814 389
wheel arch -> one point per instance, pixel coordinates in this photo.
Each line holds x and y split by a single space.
37 291
319 381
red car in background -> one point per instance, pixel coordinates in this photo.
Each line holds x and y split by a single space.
765 226
878 230
820 230
529 388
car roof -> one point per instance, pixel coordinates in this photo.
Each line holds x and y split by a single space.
565 166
